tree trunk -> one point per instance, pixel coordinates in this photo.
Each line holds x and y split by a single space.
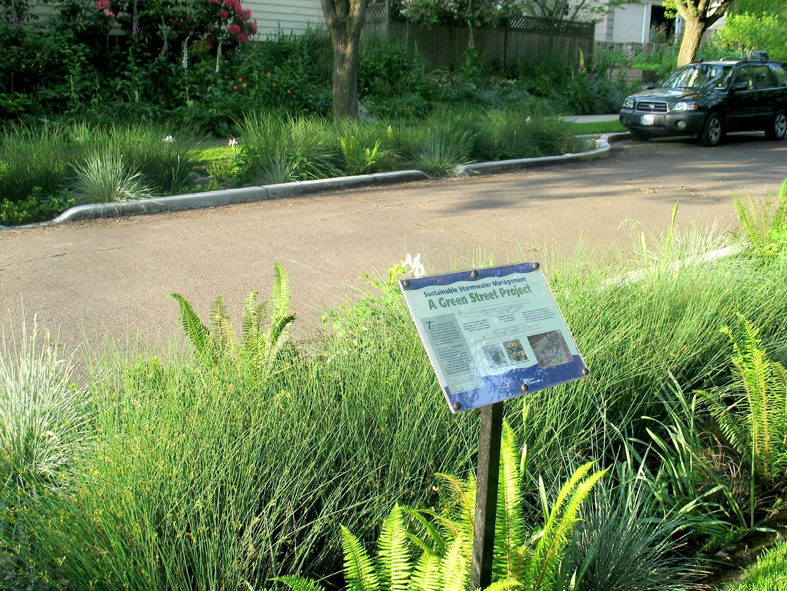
345 23
692 36
345 76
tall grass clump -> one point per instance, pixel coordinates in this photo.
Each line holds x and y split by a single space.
43 419
40 167
104 178
44 428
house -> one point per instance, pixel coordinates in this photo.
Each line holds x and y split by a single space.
292 16
636 22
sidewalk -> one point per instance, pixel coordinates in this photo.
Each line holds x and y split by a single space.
590 118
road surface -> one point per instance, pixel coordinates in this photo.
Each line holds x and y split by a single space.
109 279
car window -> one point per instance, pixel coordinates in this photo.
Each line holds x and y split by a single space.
762 77
745 76
700 76
780 74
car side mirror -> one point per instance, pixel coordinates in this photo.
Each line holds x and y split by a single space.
740 86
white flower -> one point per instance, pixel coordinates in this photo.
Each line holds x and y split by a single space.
414 265
169 138
232 142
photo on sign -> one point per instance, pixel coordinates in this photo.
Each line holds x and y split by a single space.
516 352
550 349
495 356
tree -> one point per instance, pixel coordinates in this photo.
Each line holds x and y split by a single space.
475 13
698 16
344 19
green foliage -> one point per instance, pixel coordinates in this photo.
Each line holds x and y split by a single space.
259 347
43 415
104 178
764 223
40 165
622 541
33 209
768 574
752 414
660 58
744 33
446 554
463 12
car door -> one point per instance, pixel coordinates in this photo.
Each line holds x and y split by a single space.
741 106
766 94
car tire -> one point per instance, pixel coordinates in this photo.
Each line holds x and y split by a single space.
638 136
713 131
777 130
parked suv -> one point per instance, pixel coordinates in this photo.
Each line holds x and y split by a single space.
707 99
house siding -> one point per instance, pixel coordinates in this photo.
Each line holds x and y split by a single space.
293 16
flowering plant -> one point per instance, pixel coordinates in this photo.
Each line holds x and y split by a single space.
164 25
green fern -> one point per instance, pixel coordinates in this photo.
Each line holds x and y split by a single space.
259 346
192 326
358 567
393 556
446 538
752 415
298 583
509 524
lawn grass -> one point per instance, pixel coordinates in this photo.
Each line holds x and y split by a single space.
594 127
768 574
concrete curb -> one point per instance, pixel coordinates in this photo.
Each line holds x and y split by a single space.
279 191
601 150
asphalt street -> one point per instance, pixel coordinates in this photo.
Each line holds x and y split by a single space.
109 279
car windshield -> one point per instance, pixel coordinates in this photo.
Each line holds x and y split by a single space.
700 76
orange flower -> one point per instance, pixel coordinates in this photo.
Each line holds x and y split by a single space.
269 73
244 85
274 84
288 91
240 79
235 87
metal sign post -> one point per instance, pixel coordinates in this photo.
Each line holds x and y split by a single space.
491 334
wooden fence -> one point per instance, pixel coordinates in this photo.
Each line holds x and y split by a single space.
525 39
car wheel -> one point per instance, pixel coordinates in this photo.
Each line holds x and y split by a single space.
778 127
638 136
713 131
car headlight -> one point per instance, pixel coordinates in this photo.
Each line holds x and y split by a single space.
686 106
628 103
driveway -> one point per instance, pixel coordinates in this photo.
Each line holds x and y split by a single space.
109 279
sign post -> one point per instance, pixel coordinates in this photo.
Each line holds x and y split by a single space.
491 334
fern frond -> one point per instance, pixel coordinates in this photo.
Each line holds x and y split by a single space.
505 584
195 331
427 575
250 330
439 543
358 567
455 567
281 295
508 523
299 583
393 556
550 549
221 332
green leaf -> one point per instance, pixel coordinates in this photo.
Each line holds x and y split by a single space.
393 556
358 567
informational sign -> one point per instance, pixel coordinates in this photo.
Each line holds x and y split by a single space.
492 334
